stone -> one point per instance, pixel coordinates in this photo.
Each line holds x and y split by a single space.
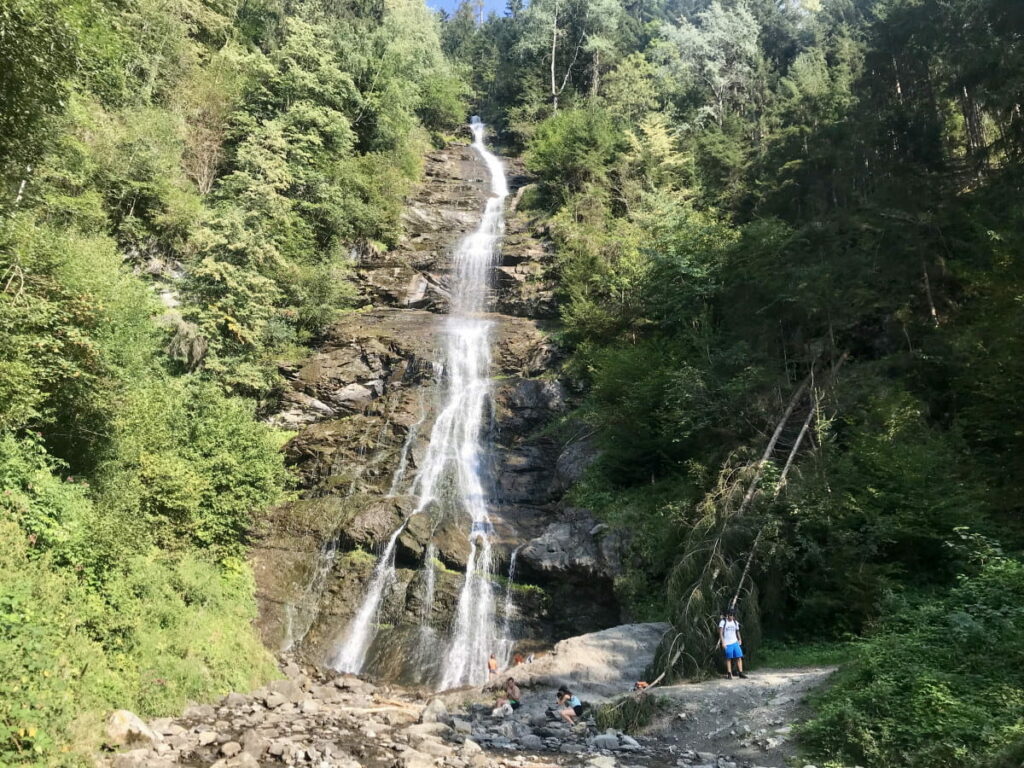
470 747
628 742
427 729
461 725
309 707
125 728
602 761
413 759
253 743
230 748
243 760
275 700
570 748
430 745
179 741
434 712
606 741
140 758
610 661
235 700
198 712
532 742
207 737
290 689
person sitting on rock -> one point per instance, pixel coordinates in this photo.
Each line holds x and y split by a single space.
569 705
510 702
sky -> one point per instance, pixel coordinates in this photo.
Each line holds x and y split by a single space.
498 6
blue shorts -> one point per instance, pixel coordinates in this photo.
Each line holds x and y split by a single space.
733 651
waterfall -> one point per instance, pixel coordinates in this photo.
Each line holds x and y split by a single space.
403 459
454 453
505 656
350 654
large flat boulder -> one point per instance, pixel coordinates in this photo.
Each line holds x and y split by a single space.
597 665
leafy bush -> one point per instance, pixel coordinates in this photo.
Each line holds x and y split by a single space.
165 630
938 686
572 148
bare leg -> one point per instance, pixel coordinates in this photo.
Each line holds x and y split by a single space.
568 714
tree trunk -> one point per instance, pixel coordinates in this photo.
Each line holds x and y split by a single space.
554 52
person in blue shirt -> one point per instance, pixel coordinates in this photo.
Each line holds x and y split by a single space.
569 705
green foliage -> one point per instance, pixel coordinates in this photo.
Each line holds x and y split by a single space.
163 631
572 149
73 321
778 655
38 45
629 713
227 156
194 462
935 686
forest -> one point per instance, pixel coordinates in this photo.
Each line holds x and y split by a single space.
787 245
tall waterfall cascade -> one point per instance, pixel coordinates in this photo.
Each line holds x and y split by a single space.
451 475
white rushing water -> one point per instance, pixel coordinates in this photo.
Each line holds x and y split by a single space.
454 457
505 656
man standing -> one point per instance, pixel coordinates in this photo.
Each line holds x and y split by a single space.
731 641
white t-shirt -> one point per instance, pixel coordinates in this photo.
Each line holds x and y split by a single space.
730 631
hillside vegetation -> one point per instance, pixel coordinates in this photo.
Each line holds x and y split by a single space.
787 242
812 208
182 183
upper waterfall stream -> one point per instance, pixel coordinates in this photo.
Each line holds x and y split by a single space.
450 478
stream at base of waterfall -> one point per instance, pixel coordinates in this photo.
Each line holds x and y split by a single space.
450 478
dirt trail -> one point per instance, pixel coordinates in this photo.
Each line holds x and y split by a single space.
750 720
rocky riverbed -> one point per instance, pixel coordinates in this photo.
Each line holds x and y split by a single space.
311 717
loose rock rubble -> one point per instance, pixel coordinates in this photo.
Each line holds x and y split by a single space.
313 718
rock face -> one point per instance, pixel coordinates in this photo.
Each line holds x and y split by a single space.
363 406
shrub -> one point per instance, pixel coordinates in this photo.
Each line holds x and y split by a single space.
938 686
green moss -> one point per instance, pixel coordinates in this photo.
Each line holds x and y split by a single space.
521 588
358 557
